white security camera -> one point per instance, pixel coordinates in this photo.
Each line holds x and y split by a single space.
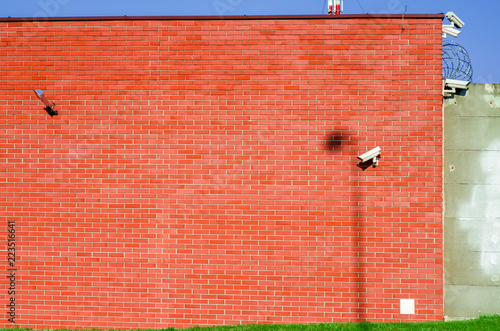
371 154
454 83
454 19
450 30
451 86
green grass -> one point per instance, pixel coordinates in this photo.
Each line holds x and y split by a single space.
485 323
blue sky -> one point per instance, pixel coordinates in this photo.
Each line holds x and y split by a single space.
478 35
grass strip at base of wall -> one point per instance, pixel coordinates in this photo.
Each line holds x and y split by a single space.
484 323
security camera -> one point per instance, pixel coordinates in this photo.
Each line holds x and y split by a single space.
450 30
454 19
454 83
371 154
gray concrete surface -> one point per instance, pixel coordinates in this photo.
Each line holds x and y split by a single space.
472 202
462 301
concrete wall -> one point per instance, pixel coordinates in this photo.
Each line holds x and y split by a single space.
204 171
472 202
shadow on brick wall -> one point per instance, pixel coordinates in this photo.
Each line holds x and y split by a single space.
336 141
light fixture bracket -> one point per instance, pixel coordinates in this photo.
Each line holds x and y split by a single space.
49 108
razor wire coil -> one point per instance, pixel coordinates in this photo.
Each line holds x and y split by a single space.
456 62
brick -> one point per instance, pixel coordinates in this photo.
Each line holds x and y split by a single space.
203 172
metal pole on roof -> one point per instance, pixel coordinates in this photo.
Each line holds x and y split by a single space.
338 6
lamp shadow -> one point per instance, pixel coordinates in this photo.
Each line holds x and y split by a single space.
335 141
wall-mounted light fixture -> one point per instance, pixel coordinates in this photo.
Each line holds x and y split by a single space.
49 108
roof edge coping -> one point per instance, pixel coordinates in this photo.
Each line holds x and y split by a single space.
211 18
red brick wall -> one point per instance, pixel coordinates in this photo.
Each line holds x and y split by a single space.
203 172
